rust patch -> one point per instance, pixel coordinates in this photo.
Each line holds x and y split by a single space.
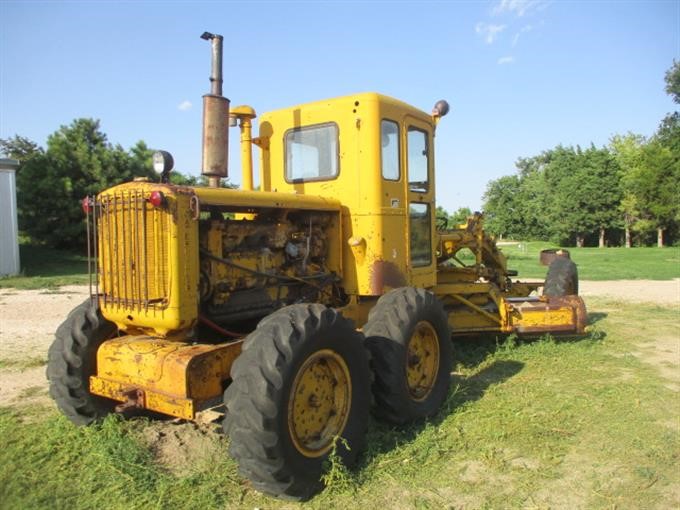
133 399
385 274
547 256
579 307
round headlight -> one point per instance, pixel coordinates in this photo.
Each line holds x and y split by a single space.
162 162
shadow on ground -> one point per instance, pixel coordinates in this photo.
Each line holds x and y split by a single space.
468 353
595 317
383 437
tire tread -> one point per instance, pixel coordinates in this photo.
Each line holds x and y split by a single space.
71 362
561 279
259 375
388 330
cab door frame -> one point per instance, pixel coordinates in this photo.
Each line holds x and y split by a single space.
420 198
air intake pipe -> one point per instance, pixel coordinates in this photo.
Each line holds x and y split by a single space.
215 120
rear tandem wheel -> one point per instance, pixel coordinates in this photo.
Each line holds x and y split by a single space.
410 343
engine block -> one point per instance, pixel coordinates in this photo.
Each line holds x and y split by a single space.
253 264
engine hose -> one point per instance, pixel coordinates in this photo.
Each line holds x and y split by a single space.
204 320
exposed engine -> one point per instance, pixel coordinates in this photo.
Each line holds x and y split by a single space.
252 265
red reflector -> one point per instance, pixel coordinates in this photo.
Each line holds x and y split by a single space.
87 205
156 198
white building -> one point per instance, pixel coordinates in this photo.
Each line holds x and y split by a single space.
9 228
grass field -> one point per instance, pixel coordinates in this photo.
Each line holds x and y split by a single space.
46 268
574 423
600 263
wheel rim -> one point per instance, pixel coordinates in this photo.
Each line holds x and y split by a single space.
319 402
422 361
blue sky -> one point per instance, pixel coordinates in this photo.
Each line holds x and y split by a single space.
521 75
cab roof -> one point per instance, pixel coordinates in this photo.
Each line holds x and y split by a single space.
361 97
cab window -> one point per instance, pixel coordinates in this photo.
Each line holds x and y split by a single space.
389 151
420 234
417 160
312 153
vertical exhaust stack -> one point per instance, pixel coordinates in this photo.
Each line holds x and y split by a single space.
215 120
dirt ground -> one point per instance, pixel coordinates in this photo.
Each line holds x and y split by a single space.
29 318
638 291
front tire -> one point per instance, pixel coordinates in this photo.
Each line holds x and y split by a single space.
300 383
72 359
410 343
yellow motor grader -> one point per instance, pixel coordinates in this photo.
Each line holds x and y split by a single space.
301 306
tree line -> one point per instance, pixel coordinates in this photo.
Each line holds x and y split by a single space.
626 193
78 161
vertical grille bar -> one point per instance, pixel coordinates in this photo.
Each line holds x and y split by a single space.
146 261
132 248
155 251
115 254
110 255
99 239
95 220
89 241
138 261
132 205
124 260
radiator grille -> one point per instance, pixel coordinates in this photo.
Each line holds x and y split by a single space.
132 241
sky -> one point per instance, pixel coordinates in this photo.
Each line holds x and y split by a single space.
521 76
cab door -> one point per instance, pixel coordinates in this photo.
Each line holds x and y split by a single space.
421 261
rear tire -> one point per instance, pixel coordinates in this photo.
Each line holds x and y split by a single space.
72 359
562 278
410 343
300 382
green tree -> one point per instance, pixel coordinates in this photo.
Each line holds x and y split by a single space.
564 194
672 79
585 191
183 180
603 190
564 208
501 207
628 152
51 184
656 186
446 220
515 206
535 198
460 216
20 148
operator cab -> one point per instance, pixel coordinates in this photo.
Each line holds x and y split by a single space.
376 155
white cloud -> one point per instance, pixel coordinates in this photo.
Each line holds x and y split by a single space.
518 7
523 30
506 60
184 106
489 32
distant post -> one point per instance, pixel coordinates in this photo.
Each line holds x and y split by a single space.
9 228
